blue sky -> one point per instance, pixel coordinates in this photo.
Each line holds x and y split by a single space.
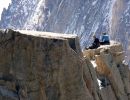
3 4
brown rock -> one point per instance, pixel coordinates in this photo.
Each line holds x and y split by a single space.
50 66
111 72
102 67
41 66
108 94
89 54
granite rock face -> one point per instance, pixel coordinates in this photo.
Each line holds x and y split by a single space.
34 67
45 66
112 74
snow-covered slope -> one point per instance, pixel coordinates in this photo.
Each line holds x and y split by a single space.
17 13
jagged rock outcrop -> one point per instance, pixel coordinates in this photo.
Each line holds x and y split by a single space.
40 66
113 74
51 66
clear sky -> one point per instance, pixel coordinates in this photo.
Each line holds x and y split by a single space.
3 4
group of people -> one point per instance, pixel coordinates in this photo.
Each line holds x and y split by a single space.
103 41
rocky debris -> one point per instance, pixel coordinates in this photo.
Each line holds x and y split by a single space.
50 66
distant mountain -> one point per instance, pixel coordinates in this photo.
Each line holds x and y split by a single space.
82 17
17 13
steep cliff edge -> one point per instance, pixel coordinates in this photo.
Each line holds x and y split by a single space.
46 66
112 74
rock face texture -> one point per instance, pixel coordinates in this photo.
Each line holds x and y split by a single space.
34 67
112 74
81 17
46 66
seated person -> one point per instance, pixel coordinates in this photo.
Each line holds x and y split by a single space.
95 44
105 39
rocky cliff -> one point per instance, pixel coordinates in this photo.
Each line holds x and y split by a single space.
81 17
45 66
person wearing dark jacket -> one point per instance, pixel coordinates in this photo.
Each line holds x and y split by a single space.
95 44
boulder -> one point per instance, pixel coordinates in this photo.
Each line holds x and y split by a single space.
41 66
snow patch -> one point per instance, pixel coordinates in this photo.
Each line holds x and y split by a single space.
94 63
37 17
94 3
99 84
84 17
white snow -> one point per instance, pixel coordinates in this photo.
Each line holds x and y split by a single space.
93 3
99 84
125 62
84 17
94 63
47 34
4 4
36 17
38 12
